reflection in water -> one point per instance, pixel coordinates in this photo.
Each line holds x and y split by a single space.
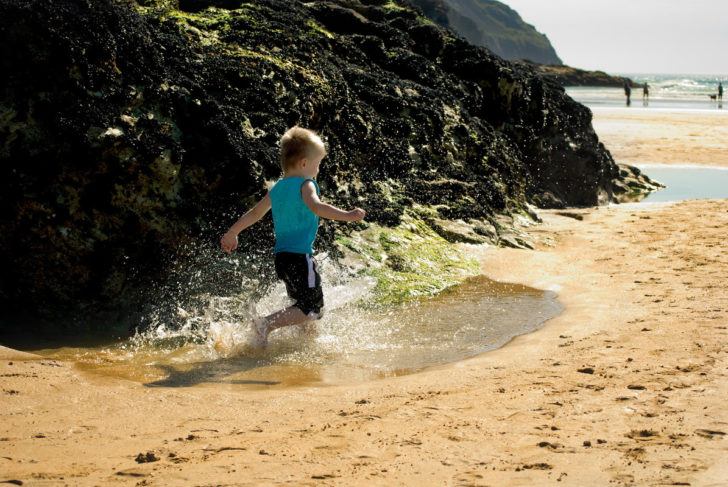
687 183
352 343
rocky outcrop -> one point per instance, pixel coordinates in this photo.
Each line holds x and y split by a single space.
568 76
494 25
634 185
133 135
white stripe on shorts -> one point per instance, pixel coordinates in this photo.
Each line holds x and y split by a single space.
311 273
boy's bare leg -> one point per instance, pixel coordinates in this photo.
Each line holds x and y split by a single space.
285 317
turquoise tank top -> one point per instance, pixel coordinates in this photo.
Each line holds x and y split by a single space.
295 224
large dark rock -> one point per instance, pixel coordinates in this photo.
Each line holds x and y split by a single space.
132 137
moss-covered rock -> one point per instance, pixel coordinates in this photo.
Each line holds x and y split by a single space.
133 134
409 260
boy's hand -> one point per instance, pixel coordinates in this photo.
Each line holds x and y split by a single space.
229 242
356 215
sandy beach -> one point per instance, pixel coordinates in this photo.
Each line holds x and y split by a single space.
626 387
641 137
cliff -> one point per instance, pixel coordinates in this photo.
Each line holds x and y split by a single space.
134 134
494 25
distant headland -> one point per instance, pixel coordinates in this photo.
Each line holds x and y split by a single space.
569 76
496 26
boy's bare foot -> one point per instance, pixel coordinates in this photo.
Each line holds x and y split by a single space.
260 333
221 338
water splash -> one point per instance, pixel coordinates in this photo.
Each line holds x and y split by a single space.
219 326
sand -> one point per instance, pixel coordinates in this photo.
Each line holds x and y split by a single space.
626 387
650 137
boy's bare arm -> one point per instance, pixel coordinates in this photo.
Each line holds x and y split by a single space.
229 241
324 210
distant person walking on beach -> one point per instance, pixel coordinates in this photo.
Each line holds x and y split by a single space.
720 91
628 92
645 91
296 211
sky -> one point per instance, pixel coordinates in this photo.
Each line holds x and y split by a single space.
634 36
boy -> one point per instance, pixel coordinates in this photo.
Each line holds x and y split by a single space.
296 211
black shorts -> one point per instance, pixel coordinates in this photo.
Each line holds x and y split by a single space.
303 283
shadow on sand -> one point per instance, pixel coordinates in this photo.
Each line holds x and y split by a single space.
209 372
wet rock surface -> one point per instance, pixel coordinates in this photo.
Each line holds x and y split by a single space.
134 134
634 185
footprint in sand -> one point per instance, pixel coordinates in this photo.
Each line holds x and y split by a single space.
710 434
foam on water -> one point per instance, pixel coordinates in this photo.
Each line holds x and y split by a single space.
667 91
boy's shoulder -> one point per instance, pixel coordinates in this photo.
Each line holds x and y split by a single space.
293 182
286 188
289 180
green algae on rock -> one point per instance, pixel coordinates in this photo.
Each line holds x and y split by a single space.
410 260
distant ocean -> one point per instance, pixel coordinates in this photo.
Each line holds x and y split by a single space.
667 91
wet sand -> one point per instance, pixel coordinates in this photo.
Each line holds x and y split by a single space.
626 387
642 137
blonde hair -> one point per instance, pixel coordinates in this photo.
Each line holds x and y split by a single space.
298 143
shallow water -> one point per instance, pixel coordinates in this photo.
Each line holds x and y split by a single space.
351 343
687 183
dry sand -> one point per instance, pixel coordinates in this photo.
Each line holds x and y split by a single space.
626 387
